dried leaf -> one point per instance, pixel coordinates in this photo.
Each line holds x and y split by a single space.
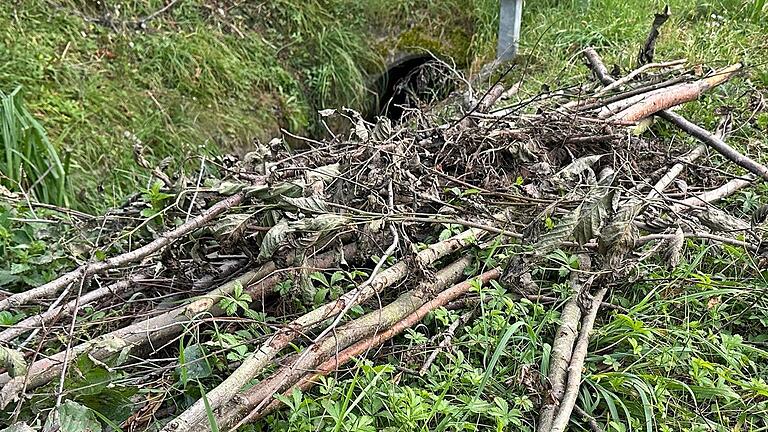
325 173
760 215
18 427
672 249
323 222
618 238
13 361
229 228
594 210
718 220
383 129
308 204
551 240
274 238
575 168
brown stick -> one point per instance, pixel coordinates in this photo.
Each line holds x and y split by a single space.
681 122
447 336
364 345
716 143
577 363
155 330
56 285
562 349
598 67
676 95
344 336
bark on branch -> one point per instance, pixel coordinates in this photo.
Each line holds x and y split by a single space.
156 330
53 287
255 363
407 315
577 363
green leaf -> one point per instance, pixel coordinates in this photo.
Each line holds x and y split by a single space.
195 363
72 417
19 268
336 277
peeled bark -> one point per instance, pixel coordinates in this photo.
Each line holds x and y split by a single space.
676 95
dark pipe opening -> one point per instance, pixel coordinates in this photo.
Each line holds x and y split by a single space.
411 82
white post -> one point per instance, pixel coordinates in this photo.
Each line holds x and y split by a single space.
510 18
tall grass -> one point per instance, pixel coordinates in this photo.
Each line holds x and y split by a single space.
29 162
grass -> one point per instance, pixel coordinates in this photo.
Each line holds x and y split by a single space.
29 160
194 82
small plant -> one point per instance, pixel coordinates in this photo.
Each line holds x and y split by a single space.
239 300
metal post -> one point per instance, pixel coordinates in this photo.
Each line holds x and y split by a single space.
510 18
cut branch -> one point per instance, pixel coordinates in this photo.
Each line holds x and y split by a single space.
701 134
562 348
713 195
255 363
577 363
675 171
124 287
661 100
53 287
716 143
156 330
256 395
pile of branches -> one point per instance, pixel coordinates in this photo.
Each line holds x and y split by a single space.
406 203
